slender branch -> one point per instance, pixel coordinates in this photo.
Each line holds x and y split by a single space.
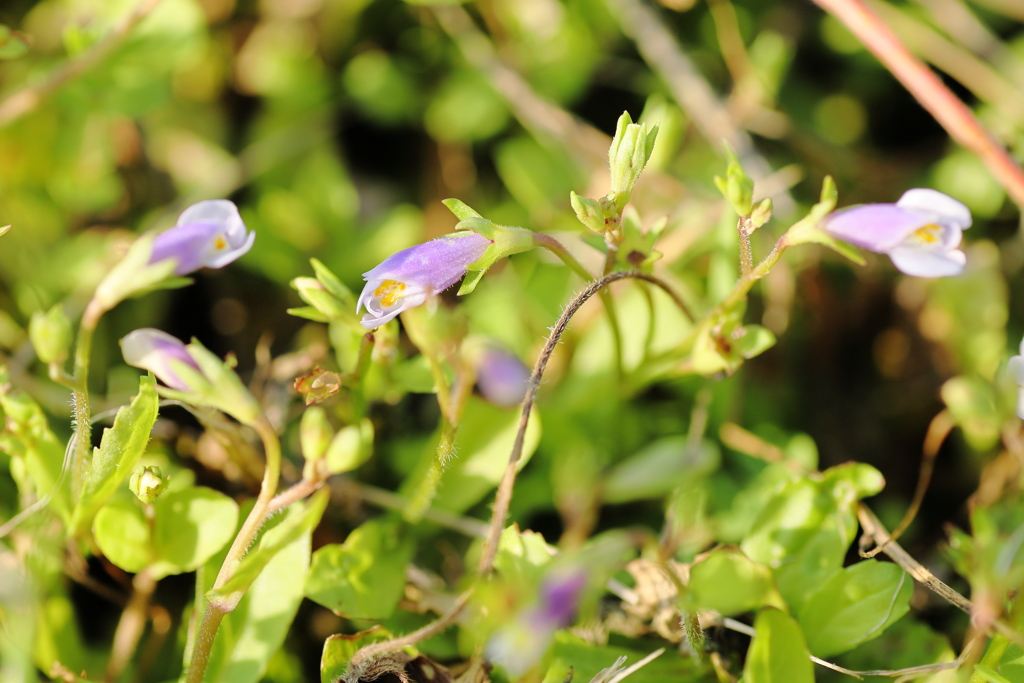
874 529
940 427
929 90
80 396
743 230
416 636
130 627
24 101
504 495
300 491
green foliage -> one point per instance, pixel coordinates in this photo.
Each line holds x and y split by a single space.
778 652
726 581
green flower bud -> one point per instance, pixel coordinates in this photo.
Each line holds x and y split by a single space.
147 483
589 211
762 213
736 187
315 435
50 333
630 149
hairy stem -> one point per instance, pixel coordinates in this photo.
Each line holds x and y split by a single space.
261 510
80 397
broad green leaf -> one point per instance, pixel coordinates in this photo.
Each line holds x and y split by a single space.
727 581
189 527
251 634
522 556
856 605
122 533
13 44
778 653
120 449
659 468
484 442
364 577
854 478
339 648
350 448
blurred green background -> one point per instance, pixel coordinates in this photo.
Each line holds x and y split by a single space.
337 126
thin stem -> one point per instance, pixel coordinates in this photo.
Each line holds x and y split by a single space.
504 495
928 89
355 378
24 101
214 614
743 229
130 627
80 397
300 491
416 636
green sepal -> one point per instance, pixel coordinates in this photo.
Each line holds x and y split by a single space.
215 384
736 186
328 298
589 212
806 230
461 210
134 275
505 241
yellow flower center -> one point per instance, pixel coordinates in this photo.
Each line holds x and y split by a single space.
389 292
929 234
219 243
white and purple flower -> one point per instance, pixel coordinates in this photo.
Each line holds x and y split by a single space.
154 350
406 279
521 644
920 232
209 234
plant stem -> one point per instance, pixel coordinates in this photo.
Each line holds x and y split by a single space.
746 253
80 397
215 613
928 89
130 627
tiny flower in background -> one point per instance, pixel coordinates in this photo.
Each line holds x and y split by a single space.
153 350
519 645
1016 370
209 234
502 377
920 232
408 278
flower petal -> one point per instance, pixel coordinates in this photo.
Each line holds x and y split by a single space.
433 266
1020 403
875 227
941 207
153 350
1015 367
921 262
219 259
220 211
186 243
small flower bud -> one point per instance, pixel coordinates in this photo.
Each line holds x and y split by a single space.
315 436
628 154
50 333
589 212
736 187
147 483
762 213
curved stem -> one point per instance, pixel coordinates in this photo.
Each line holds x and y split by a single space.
261 510
504 495
80 396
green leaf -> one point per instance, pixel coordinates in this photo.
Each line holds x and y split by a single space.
856 605
332 284
350 448
122 533
522 556
273 541
339 648
13 44
727 581
309 313
659 468
120 449
189 527
364 577
470 282
255 630
778 653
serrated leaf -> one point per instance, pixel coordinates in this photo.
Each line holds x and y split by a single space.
856 605
120 449
778 653
364 577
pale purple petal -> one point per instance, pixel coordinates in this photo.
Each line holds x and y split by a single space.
559 597
209 234
153 350
502 377
875 227
434 266
922 262
941 208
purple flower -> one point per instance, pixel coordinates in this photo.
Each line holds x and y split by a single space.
408 278
154 350
519 645
209 234
502 377
920 232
